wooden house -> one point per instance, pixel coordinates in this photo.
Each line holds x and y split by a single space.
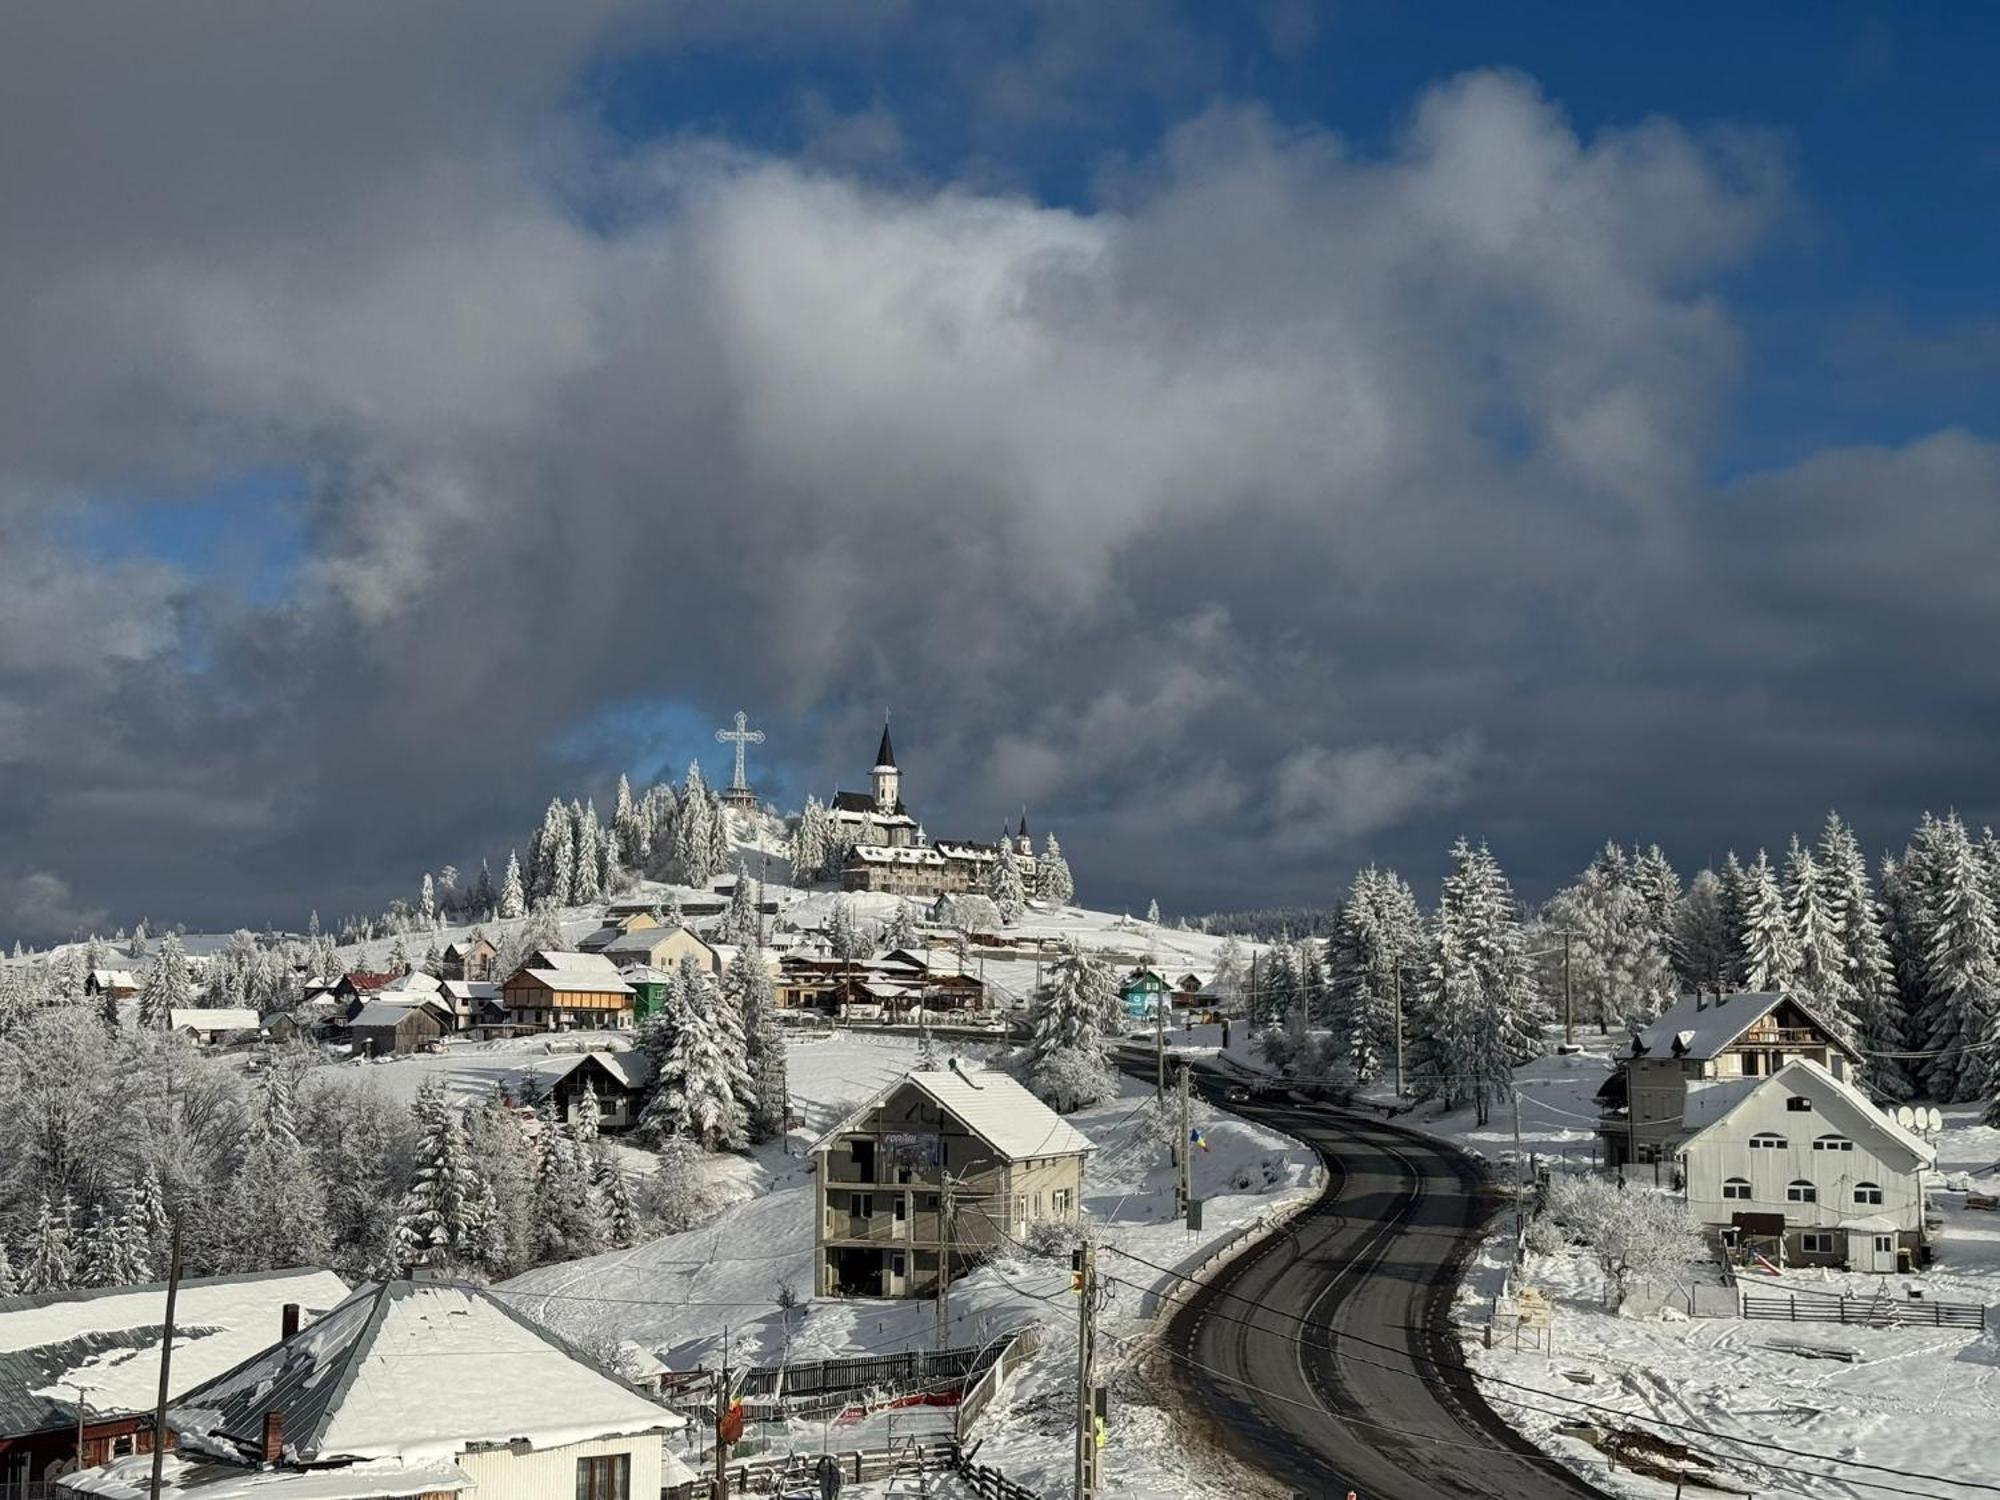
620 1080
389 1028
563 991
471 959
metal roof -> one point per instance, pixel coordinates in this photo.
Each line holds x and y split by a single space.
1002 1113
1699 1026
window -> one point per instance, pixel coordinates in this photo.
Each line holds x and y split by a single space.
1799 1104
902 1207
1884 1243
1801 1191
1817 1244
896 1264
606 1478
1736 1187
1765 1140
861 1205
1061 1203
931 1202
1833 1143
1867 1192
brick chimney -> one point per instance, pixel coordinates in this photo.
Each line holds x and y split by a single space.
289 1321
274 1436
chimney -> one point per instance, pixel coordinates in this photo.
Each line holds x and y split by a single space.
274 1436
290 1321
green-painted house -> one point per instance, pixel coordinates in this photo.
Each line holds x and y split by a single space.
649 990
1145 994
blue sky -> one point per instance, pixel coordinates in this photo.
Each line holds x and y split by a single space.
1298 433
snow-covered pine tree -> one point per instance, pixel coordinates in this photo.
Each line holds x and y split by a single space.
513 895
1153 913
9 1282
1816 930
484 897
1770 952
845 934
167 986
275 1207
618 1220
50 1261
108 1255
809 843
1659 889
1482 1002
1053 881
589 860
721 838
553 865
1067 1063
746 993
1308 962
901 931
427 910
1619 969
698 1087
1702 956
498 1152
587 1124
1229 966
673 1197
694 839
740 922
1879 1021
1278 988
1735 909
1961 979
399 956
432 963
446 1217
625 824
566 1223
1004 885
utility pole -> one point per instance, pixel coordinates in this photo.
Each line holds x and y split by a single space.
948 1236
1184 1155
1397 971
82 1414
1569 1001
166 1360
1159 1047
721 1490
1085 1284
1520 1161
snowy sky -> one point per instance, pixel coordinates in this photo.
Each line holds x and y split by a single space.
1260 438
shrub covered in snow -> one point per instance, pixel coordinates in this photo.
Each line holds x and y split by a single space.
1636 1233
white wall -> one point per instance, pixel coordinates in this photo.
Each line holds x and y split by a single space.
1724 1151
550 1473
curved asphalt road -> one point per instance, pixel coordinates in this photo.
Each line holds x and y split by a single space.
1378 1256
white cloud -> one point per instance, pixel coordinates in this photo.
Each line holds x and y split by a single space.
1324 797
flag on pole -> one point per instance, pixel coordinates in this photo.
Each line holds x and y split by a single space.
1196 1138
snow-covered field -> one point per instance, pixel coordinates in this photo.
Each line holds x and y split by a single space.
682 1295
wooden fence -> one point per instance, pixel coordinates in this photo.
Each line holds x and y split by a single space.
1866 1312
800 1471
990 1484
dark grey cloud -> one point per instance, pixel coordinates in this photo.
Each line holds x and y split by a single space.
1295 508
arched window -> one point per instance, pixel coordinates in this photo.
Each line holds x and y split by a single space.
1767 1140
1867 1192
1736 1187
1801 1191
1833 1143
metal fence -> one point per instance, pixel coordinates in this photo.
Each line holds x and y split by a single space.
1866 1312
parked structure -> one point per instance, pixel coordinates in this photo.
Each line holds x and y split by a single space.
411 1390
1008 1160
1705 1038
1801 1165
561 991
107 1341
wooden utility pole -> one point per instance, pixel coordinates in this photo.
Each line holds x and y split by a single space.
1569 1001
1184 1155
721 1487
947 1236
1159 1047
166 1361
1086 1354
1397 971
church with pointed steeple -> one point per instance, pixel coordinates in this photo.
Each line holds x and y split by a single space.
889 850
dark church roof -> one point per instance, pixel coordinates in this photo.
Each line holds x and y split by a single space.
860 802
886 754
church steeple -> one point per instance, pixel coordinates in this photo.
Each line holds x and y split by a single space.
887 779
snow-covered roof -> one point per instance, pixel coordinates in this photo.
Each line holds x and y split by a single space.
577 971
644 974
211 1018
114 979
109 1339
472 989
131 1478
1700 1026
885 854
1003 1114
1709 1099
371 1380
417 979
1836 1101
386 1012
633 1068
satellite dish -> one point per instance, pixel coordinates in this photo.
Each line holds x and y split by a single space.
1933 1120
1906 1117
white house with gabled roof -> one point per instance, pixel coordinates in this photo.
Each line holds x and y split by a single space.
1804 1159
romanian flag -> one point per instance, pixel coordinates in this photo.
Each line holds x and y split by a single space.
1196 1138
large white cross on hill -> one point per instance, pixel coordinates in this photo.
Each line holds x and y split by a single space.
742 735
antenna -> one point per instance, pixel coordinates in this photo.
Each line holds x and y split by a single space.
1906 1117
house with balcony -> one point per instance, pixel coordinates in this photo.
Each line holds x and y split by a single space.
1801 1167
1706 1038
943 1163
